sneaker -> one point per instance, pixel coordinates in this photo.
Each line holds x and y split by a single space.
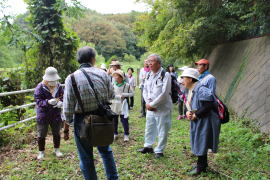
115 136
131 108
146 150
126 138
57 152
40 155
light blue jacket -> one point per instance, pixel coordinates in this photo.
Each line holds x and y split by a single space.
204 132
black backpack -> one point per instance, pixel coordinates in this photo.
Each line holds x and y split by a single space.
175 88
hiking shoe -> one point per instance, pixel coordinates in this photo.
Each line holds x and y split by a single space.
197 171
57 152
126 138
146 150
41 155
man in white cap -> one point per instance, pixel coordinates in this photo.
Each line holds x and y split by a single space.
49 97
158 101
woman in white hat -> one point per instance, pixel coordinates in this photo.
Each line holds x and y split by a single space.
201 111
49 96
119 105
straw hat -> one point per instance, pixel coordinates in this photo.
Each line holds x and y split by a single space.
119 72
191 72
115 63
51 74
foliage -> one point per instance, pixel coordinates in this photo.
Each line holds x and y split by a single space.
11 81
57 44
129 58
184 30
111 34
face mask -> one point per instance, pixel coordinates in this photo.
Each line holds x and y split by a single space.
52 83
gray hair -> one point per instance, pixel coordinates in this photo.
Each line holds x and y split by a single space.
156 56
85 54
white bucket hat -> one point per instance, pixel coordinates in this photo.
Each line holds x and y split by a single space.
51 74
119 72
191 72
183 68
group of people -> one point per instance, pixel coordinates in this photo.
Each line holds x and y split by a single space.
117 87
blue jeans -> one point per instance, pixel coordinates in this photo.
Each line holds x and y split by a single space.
85 152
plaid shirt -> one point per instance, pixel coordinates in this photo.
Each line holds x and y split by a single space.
102 84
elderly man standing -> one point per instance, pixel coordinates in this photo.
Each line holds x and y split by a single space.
156 93
73 112
206 79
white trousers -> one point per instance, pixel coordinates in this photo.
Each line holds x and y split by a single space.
157 126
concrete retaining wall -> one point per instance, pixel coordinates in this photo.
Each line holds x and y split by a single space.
242 70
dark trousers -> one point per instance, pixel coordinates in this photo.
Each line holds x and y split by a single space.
131 102
124 123
181 107
43 131
202 161
143 112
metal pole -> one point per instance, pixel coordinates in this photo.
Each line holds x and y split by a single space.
18 107
14 124
16 92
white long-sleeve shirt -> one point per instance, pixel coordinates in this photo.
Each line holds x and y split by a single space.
157 92
122 91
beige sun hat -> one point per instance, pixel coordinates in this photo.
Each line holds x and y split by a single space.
115 63
119 72
51 74
191 72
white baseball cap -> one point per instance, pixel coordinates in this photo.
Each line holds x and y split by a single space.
191 72
51 74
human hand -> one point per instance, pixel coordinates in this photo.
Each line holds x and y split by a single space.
52 101
194 117
59 104
149 108
189 115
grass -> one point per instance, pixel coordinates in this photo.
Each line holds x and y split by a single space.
243 154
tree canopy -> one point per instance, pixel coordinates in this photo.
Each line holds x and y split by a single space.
111 34
184 30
